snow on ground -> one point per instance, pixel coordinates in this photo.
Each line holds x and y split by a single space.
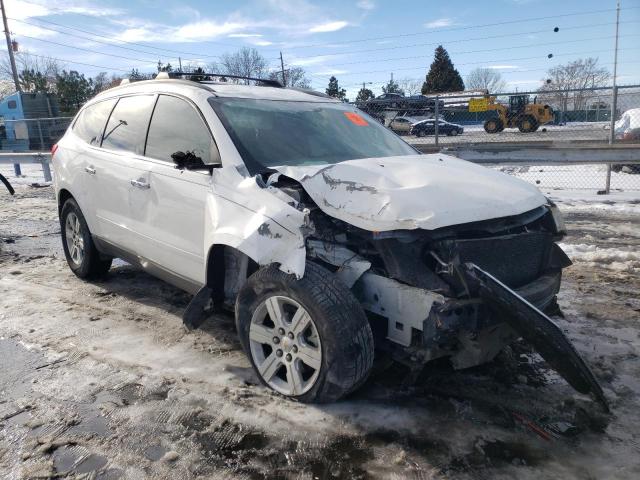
101 380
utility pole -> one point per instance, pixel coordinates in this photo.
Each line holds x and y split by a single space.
614 99
284 79
12 59
180 63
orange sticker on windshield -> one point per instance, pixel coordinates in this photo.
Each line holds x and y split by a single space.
356 119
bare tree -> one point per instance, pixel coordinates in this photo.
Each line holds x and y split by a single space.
579 74
294 77
246 62
411 86
33 70
485 79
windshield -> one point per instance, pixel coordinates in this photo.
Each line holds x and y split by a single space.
270 133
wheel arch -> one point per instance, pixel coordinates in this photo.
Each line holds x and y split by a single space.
63 196
227 269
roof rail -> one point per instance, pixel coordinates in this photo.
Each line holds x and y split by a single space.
206 77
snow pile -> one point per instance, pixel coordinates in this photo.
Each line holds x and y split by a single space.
612 258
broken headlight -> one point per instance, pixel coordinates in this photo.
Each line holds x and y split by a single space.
558 219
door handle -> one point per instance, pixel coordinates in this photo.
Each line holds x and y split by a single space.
140 184
90 170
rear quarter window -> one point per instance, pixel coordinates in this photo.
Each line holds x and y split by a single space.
91 121
128 123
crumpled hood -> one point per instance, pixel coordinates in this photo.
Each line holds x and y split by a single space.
414 191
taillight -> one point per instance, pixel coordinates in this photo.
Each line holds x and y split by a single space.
53 150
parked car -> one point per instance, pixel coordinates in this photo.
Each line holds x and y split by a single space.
402 124
318 227
428 127
386 100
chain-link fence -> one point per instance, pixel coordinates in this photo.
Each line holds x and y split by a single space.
550 116
33 134
584 177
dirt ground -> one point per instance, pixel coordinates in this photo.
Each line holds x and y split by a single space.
101 381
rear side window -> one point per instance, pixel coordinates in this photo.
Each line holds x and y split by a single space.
127 126
90 123
177 127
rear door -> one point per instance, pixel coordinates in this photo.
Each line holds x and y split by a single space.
80 154
177 200
122 174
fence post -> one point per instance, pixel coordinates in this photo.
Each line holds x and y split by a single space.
612 135
436 119
40 134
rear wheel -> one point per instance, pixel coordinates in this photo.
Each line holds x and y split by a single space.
493 125
307 338
82 256
527 124
454 132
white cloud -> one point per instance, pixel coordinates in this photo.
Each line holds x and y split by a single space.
366 5
22 9
305 62
262 43
439 23
244 35
329 27
502 67
330 72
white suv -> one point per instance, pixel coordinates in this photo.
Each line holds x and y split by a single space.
326 233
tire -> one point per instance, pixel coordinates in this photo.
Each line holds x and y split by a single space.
420 133
493 125
454 133
527 124
82 256
337 342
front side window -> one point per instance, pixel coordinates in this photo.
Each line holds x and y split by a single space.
90 123
127 126
177 127
270 133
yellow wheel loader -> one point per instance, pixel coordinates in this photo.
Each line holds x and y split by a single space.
527 117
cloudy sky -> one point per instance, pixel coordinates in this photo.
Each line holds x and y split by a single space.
355 40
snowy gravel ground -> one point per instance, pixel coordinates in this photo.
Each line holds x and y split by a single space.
100 380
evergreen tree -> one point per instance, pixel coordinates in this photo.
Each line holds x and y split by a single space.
392 87
442 76
334 90
364 94
73 90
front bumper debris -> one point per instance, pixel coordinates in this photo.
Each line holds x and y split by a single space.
536 328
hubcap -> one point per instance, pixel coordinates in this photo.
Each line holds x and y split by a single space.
75 240
285 345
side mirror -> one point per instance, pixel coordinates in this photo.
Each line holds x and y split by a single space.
188 161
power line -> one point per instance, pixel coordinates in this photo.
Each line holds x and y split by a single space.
479 51
397 47
86 38
468 27
94 17
88 50
79 63
108 38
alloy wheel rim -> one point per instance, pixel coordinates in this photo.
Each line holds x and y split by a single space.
285 345
75 240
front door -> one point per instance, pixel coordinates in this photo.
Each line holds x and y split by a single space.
177 198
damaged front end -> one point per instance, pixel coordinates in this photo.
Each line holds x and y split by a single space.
462 292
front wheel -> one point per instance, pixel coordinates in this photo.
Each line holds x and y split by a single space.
82 256
309 338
